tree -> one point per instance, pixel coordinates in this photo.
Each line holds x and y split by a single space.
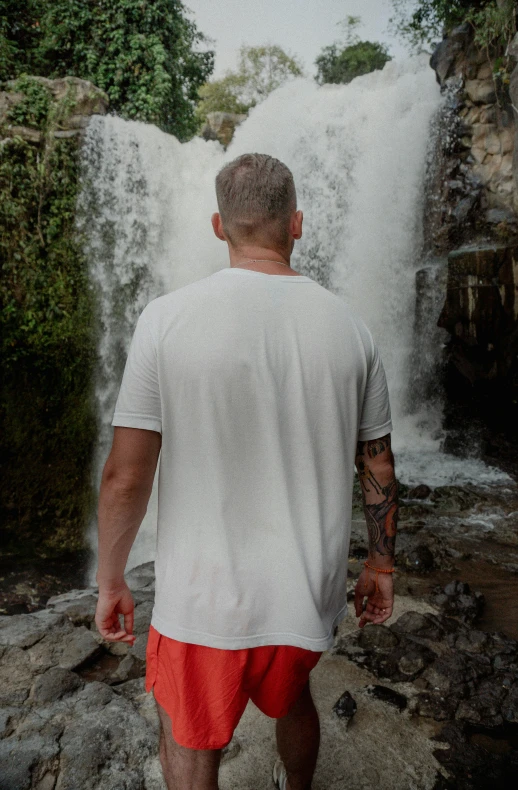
260 70
341 62
20 34
143 54
423 23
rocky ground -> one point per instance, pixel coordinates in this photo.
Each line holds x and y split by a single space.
427 701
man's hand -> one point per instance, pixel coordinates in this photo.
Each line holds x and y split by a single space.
379 604
112 602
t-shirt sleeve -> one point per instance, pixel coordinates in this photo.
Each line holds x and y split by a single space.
138 404
376 418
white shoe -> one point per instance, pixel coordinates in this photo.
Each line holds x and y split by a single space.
280 776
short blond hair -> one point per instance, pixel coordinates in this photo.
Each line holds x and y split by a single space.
256 196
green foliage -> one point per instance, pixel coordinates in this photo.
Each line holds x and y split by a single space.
494 26
20 34
221 96
144 55
424 23
343 65
341 62
48 345
34 108
260 71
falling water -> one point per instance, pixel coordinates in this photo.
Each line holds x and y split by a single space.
358 156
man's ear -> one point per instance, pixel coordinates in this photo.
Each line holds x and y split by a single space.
296 224
217 226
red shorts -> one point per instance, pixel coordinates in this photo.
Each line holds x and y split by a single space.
205 690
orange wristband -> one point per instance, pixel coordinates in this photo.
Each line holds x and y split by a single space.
378 570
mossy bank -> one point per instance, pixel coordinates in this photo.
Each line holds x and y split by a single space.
48 346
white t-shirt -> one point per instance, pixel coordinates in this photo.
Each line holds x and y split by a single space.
260 385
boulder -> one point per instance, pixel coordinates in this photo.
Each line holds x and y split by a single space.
221 126
481 91
345 707
446 56
85 98
457 600
54 684
388 695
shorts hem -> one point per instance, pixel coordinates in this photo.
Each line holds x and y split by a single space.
189 745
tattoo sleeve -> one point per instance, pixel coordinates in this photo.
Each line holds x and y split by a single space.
375 465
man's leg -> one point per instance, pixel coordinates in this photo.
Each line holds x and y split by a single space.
186 769
298 740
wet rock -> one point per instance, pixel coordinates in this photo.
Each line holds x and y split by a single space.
475 759
426 626
481 316
497 215
464 208
457 600
510 705
377 636
484 704
445 57
472 641
388 695
419 492
420 559
398 661
453 498
345 707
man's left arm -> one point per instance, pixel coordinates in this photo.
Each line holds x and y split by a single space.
125 490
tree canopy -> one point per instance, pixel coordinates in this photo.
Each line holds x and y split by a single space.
342 61
424 22
145 55
260 70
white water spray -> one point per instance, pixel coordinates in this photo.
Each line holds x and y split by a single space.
358 155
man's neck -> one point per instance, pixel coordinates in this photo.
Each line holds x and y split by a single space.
259 259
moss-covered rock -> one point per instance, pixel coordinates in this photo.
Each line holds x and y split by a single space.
48 344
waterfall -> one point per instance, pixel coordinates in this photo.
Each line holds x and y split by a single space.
357 153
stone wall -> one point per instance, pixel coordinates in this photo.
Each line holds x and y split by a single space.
476 225
487 121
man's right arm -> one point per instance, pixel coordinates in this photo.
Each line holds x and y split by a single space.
375 465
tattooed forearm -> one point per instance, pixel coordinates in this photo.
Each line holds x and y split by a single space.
380 496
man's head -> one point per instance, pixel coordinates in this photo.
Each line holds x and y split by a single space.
257 204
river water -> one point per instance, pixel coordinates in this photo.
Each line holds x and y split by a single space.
358 153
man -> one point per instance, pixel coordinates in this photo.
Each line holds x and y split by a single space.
260 389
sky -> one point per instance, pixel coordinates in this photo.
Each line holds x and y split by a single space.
300 27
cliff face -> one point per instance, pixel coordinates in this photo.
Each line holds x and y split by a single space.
48 336
476 227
